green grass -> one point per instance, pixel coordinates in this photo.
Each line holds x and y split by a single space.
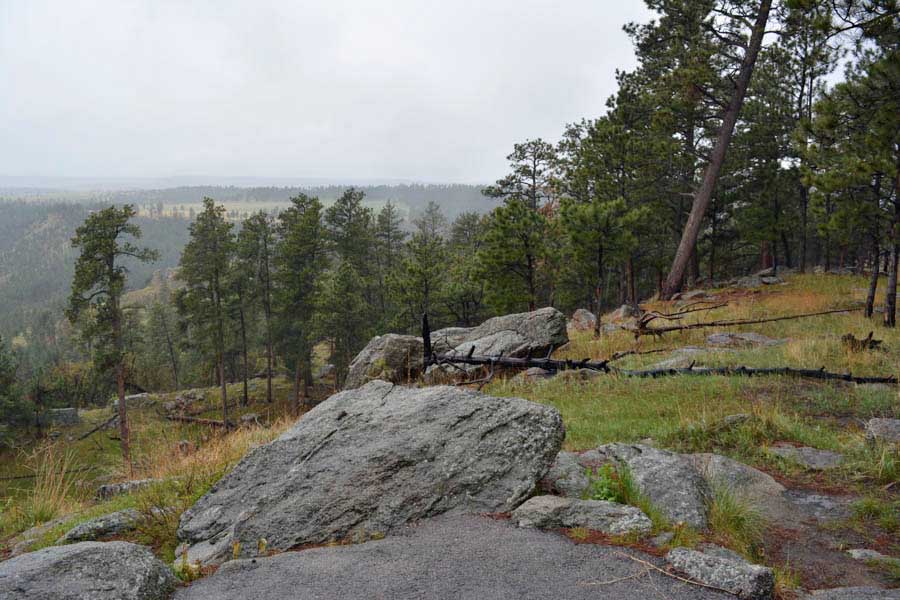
735 524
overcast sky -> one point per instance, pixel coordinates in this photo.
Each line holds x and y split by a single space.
408 89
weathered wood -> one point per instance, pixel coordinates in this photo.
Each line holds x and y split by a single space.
658 331
750 371
199 421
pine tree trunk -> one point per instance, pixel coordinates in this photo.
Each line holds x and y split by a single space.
890 301
124 433
710 177
873 282
172 356
297 377
246 363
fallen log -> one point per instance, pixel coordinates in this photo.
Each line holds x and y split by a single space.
659 331
199 421
102 425
821 374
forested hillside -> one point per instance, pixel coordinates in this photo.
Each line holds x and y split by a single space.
37 258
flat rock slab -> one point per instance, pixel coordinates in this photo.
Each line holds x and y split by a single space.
112 524
459 557
109 490
738 340
723 570
87 571
883 430
550 512
853 593
810 458
367 461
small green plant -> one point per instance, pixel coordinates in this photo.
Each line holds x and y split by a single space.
605 484
885 512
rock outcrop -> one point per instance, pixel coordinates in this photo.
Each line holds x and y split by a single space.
399 358
87 571
457 557
679 485
390 357
369 460
550 512
115 523
520 334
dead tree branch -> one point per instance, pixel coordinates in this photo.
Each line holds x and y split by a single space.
658 331
820 374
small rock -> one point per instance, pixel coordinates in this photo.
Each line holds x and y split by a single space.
170 406
663 539
746 581
886 430
626 311
126 487
112 524
810 458
87 570
250 419
549 512
186 447
533 373
583 320
736 419
771 280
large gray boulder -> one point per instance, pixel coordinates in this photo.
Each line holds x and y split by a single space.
530 334
390 357
725 571
86 571
368 460
520 334
550 512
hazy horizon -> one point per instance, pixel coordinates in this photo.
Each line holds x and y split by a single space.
331 91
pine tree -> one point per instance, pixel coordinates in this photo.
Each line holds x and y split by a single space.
389 240
464 290
97 290
531 176
204 268
342 316
514 251
256 251
300 262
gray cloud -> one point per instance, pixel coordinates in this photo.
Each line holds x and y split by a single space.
413 89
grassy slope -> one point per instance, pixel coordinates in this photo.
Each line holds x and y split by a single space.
682 413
